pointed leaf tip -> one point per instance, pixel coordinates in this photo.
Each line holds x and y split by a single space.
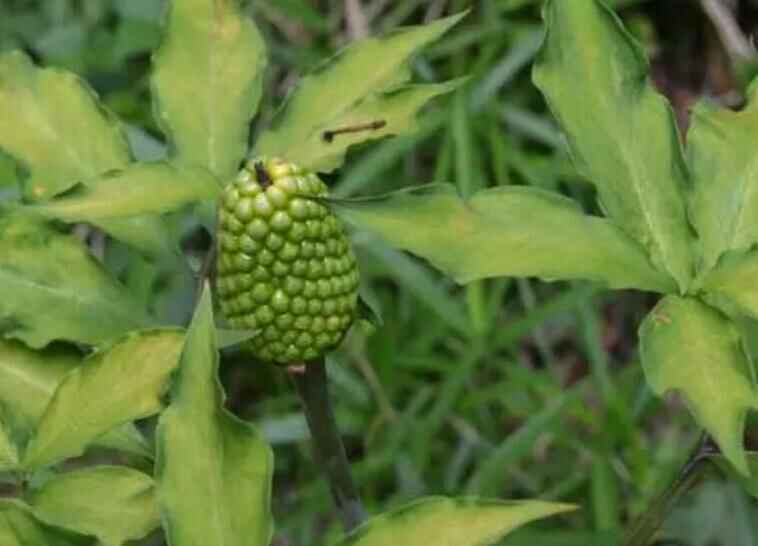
621 132
357 99
463 521
505 231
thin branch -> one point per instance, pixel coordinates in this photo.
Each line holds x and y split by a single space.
722 16
357 22
329 452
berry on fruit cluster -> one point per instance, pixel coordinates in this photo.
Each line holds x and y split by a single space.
285 265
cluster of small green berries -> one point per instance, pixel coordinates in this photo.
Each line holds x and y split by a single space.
285 266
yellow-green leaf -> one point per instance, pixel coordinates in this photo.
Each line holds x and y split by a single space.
505 231
113 503
213 470
119 384
141 188
28 380
689 347
724 202
621 132
19 527
9 455
451 522
361 89
51 288
52 123
207 82
734 279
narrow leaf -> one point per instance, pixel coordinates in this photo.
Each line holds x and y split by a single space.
19 527
116 385
505 231
207 82
112 503
689 347
734 279
722 157
52 123
213 470
28 380
353 89
621 132
51 288
460 522
142 188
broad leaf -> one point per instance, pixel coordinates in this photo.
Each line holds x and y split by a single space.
621 132
28 380
116 385
724 205
19 527
142 188
360 88
734 279
52 123
207 82
689 347
505 231
112 503
455 522
213 470
51 288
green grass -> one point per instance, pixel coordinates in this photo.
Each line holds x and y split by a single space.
504 388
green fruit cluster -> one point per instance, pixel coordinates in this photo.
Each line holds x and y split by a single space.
285 266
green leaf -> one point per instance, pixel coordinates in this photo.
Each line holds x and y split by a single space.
621 132
379 115
229 338
460 522
368 311
120 194
9 455
734 279
116 385
748 482
207 82
220 494
51 288
112 503
689 347
28 380
724 201
52 123
19 527
145 233
505 231
353 89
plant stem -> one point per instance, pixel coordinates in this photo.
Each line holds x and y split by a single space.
329 452
644 528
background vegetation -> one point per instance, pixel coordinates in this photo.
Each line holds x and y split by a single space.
504 388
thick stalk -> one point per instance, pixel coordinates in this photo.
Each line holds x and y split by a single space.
329 452
642 531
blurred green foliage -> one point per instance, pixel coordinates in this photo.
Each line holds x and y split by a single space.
503 388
